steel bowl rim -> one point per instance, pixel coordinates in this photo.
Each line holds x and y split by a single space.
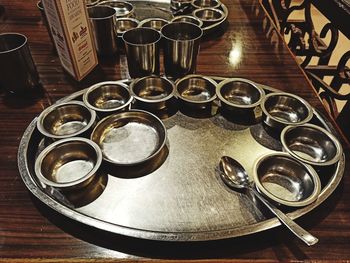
137 97
155 153
244 106
146 20
339 148
39 160
187 16
304 102
218 4
222 14
311 172
126 3
51 108
120 34
211 81
100 84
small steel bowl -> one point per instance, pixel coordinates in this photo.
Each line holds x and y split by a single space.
285 180
152 92
122 8
283 109
239 95
209 16
124 24
108 97
68 164
188 19
130 138
311 144
155 23
196 90
65 120
206 3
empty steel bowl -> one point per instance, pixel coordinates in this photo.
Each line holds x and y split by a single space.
196 90
239 95
283 109
285 180
66 120
152 92
208 16
130 138
68 164
206 3
311 144
124 24
188 19
155 23
108 97
122 8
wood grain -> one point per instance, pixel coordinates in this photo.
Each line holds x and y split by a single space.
31 232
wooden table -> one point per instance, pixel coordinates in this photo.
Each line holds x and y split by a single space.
31 232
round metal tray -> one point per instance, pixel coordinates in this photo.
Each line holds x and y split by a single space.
183 199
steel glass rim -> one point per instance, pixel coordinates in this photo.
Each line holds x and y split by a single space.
194 27
112 14
144 21
312 173
243 106
50 109
336 157
52 146
125 34
211 81
10 34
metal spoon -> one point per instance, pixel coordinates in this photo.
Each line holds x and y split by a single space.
235 176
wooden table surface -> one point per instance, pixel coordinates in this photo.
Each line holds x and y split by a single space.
31 232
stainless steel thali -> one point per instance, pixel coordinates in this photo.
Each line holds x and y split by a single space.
184 199
161 9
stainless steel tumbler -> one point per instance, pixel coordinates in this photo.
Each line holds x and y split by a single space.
18 73
103 24
142 51
181 47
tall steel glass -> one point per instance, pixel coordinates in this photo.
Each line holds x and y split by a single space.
103 24
142 51
18 73
181 47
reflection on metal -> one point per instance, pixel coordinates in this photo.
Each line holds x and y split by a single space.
235 55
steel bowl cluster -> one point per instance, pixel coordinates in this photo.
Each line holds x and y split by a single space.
80 134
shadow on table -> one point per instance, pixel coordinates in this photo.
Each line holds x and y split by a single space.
254 245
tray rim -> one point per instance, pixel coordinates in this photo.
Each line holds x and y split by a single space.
69 212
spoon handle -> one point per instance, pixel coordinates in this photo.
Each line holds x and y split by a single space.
287 221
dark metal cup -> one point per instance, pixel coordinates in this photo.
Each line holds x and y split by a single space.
181 47
44 19
18 71
103 24
142 51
